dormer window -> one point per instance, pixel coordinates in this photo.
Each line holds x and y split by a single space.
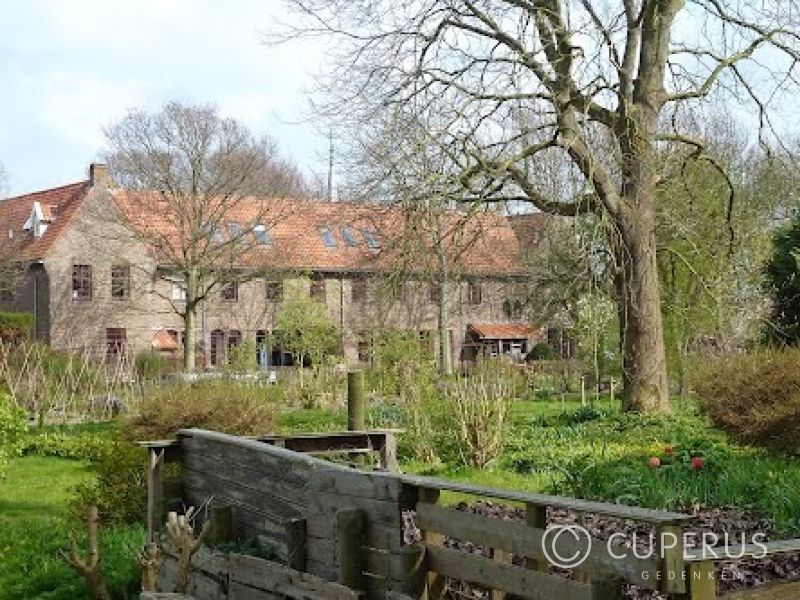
261 234
349 237
372 240
327 237
40 218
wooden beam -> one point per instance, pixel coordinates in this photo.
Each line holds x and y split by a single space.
155 493
349 535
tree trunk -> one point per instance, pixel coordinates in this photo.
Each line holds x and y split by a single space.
189 323
445 350
644 367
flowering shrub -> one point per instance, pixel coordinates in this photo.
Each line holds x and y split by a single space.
12 429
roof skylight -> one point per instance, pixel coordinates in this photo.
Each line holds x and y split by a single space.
327 237
349 237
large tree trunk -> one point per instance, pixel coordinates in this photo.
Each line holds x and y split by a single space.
644 365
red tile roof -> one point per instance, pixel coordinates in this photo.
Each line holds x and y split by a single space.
482 243
164 340
15 211
479 244
503 331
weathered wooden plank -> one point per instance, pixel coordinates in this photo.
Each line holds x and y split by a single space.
155 492
218 486
644 515
701 581
240 591
754 550
527 541
350 525
672 565
264 574
292 471
377 535
377 511
509 578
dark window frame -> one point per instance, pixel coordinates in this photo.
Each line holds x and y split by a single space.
274 290
120 282
318 290
82 284
349 237
435 291
474 292
229 292
358 289
116 338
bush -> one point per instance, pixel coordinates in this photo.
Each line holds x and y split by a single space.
15 327
541 351
12 429
222 405
754 397
149 365
84 446
120 488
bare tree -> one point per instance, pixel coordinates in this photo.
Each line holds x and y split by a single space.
395 162
201 193
11 270
503 84
3 182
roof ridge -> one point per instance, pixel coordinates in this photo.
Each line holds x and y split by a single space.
47 190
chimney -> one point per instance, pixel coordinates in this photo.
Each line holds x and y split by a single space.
98 175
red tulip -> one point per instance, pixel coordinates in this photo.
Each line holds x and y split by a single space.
654 462
698 463
669 450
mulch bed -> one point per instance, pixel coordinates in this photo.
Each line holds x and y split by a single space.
732 575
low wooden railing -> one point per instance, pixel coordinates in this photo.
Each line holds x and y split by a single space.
600 576
347 525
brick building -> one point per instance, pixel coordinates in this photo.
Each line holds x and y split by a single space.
92 283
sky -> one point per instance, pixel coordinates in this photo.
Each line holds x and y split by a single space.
70 67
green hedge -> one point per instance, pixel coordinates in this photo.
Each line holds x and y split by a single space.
15 326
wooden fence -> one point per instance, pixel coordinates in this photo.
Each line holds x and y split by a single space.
339 524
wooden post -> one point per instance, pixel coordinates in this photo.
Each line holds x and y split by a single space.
155 493
701 582
500 556
611 384
296 544
388 453
536 516
672 565
221 527
583 390
436 583
349 534
607 588
356 408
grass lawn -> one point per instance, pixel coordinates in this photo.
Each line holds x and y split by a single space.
35 523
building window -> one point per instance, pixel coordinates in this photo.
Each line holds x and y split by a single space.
397 290
230 291
81 282
349 237
234 341
512 309
318 289
178 290
217 348
364 350
261 234
115 342
372 239
120 282
474 292
235 231
327 237
435 292
358 289
275 290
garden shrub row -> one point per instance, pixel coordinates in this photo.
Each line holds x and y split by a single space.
754 397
